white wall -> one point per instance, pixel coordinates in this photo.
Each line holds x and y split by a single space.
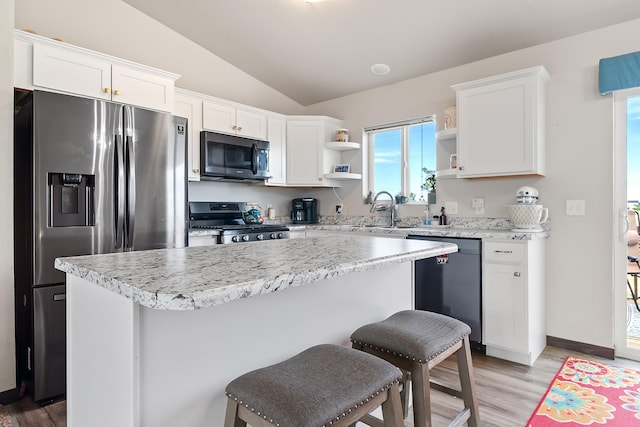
7 333
579 135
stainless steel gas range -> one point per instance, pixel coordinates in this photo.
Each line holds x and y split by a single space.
226 221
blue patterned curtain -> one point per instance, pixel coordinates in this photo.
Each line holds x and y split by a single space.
620 72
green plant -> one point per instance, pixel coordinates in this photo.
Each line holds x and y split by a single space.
429 181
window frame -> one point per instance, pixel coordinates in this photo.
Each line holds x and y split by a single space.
404 160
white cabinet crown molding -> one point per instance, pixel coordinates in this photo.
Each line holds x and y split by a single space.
35 38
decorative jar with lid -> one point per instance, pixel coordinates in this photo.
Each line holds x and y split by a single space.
342 135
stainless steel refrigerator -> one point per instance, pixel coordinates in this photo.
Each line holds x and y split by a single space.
91 177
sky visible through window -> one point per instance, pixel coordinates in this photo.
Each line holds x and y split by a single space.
633 150
388 152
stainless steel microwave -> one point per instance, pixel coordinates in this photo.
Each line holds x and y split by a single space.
233 158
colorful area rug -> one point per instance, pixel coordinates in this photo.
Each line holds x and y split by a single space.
5 418
588 393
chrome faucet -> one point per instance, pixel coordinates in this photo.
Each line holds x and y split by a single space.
385 207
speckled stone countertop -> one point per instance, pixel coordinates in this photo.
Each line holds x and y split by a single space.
501 234
200 277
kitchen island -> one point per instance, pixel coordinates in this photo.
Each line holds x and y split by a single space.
153 337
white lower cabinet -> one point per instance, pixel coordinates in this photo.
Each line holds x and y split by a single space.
513 292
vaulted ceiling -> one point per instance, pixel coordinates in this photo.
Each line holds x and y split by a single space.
313 52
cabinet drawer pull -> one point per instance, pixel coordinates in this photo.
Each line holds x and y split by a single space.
116 92
107 90
503 252
516 274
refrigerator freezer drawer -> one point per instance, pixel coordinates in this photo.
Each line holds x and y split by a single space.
49 342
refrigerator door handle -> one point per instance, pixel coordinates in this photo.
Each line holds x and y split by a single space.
59 297
131 192
120 192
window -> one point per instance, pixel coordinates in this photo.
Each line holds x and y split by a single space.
401 157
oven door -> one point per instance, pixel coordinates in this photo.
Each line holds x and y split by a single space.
232 157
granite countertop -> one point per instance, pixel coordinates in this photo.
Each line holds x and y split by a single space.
199 277
478 233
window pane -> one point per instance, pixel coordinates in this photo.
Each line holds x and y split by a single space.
387 152
422 158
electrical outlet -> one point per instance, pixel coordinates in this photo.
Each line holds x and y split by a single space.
451 208
478 205
575 207
339 209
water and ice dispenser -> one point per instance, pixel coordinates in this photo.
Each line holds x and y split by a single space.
71 199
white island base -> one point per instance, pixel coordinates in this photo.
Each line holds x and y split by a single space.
129 365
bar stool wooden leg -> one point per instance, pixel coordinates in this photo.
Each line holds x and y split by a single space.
391 408
231 418
421 394
467 382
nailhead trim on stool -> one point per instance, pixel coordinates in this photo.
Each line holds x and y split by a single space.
415 341
317 387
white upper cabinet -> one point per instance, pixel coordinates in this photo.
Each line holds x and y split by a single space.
42 63
308 160
277 137
501 125
189 104
234 119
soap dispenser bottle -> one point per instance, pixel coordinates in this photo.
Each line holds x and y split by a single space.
427 217
443 217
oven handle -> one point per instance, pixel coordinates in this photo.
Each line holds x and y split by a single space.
254 161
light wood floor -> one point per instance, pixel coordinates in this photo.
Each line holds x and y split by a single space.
507 392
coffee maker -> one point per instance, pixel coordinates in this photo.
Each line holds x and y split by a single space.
304 211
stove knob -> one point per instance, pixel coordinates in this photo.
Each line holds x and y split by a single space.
234 239
280 235
245 238
272 235
260 237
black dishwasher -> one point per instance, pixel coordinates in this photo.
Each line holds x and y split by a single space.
452 284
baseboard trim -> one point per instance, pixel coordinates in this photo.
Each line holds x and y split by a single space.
594 350
9 396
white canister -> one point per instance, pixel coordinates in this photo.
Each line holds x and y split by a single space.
271 213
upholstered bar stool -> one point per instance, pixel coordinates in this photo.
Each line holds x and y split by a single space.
416 341
325 385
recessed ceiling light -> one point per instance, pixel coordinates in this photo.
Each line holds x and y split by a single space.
380 69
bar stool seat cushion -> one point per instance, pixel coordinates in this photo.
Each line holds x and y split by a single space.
414 334
314 388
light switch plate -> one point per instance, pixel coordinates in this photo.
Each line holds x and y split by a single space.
575 207
451 207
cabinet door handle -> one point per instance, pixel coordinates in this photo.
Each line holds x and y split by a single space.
503 252
516 274
107 90
116 92
196 171
234 127
239 128
460 167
